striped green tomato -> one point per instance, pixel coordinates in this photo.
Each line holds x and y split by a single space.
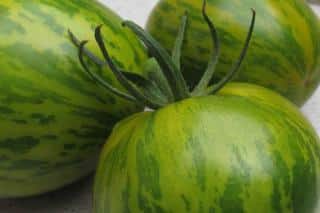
245 149
285 50
53 117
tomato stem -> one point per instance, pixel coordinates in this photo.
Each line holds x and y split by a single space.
207 77
215 88
164 83
174 76
120 76
176 53
97 78
87 52
154 73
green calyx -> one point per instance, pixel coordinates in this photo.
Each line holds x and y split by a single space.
164 83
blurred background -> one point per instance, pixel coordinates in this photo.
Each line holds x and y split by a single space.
77 197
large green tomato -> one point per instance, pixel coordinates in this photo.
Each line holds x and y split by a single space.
245 149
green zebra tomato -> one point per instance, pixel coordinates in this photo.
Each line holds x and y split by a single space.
245 149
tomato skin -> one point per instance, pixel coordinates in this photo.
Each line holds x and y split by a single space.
238 151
